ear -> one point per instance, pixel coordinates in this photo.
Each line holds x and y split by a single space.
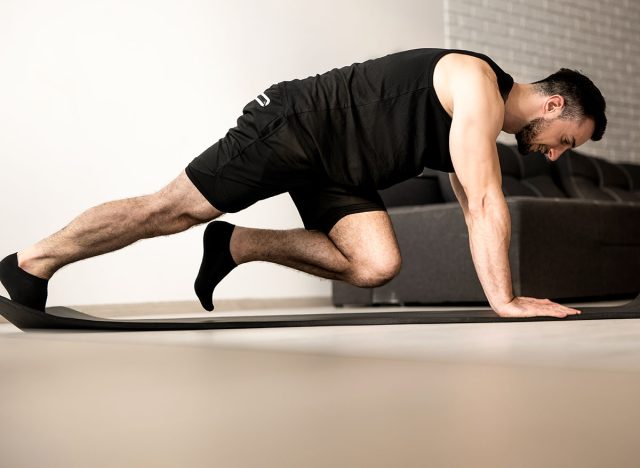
554 105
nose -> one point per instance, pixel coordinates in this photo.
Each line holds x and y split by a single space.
555 153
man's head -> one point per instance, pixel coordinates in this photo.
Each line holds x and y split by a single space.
573 112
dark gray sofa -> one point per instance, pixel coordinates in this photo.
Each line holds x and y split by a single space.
575 234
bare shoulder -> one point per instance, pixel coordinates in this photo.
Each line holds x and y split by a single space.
455 63
461 72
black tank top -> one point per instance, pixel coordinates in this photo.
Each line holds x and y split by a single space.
379 122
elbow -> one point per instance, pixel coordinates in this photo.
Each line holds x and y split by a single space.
481 205
477 205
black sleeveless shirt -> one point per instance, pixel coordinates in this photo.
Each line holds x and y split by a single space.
379 122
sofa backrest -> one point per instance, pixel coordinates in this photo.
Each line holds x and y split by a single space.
528 176
633 172
538 174
574 175
580 177
614 180
512 170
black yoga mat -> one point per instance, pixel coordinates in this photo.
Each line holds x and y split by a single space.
65 318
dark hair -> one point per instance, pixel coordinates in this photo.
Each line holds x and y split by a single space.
581 97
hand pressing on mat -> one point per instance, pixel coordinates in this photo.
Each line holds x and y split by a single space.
532 307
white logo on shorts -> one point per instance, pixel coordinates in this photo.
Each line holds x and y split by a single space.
265 98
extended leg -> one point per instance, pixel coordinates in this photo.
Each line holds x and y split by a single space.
105 228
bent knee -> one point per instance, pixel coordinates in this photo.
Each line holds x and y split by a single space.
180 201
170 215
372 274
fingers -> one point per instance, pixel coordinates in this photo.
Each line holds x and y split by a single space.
552 309
552 312
574 311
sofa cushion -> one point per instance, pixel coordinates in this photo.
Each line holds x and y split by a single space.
512 173
633 172
529 176
580 177
614 181
538 175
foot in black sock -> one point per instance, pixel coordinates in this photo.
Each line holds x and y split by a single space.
216 261
23 287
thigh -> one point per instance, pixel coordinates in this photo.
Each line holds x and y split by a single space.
355 220
366 238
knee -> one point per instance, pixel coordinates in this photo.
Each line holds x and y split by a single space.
164 213
375 273
181 202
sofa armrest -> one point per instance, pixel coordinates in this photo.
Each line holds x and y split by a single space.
555 245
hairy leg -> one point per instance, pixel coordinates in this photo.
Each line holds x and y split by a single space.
360 249
114 225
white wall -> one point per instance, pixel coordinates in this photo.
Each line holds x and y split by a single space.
531 40
104 100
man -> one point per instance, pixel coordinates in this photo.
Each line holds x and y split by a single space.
332 141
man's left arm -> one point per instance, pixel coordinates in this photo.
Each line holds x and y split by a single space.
478 113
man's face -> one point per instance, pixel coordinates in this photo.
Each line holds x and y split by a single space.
553 136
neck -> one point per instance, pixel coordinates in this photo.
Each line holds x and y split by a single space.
522 106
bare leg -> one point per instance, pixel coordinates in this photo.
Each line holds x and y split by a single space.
114 225
310 251
360 249
105 228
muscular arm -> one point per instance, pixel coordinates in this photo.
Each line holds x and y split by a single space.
478 185
489 237
477 120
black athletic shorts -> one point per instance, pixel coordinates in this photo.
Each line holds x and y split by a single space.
262 157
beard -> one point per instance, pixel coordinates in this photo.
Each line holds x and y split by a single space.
528 133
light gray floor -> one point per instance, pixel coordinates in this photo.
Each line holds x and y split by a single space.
502 394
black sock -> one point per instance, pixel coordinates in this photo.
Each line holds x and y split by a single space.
216 261
23 287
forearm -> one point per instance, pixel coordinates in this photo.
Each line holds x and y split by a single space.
489 237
